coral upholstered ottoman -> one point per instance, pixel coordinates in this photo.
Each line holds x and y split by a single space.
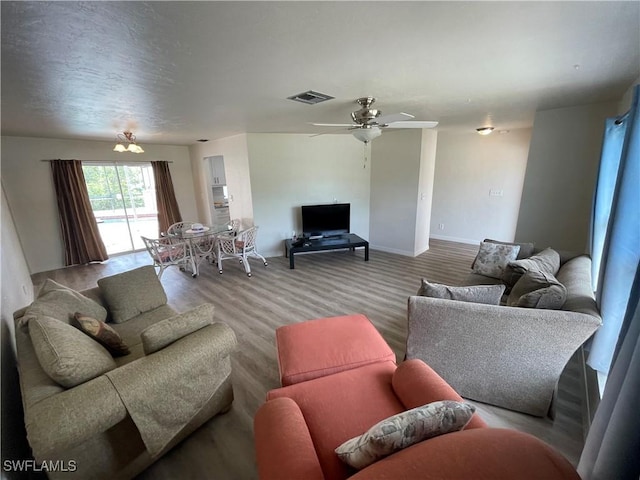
324 346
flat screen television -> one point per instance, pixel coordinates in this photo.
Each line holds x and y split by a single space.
326 220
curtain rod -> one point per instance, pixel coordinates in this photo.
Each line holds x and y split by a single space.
111 161
622 118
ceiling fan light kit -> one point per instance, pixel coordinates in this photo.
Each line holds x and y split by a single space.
365 135
484 130
130 139
368 122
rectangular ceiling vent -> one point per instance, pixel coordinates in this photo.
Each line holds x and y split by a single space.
310 97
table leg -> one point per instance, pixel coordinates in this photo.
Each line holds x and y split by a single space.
366 252
291 266
194 264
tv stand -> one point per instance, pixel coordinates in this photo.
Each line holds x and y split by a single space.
347 240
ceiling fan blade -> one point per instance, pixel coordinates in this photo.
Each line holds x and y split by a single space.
393 117
329 132
416 124
333 124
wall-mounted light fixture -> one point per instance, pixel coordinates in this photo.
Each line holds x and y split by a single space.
130 139
484 130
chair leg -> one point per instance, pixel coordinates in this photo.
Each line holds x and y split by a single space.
245 262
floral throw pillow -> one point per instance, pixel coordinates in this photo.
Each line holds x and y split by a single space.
102 333
403 430
493 258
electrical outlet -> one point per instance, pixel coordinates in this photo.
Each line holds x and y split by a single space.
496 193
441 226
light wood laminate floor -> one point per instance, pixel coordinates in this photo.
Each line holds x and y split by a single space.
323 284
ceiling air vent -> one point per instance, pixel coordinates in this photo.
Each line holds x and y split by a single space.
310 97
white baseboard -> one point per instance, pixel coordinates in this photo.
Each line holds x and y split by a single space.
469 241
392 250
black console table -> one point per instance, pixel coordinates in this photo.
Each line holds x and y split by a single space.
348 240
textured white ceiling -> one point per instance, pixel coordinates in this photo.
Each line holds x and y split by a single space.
174 72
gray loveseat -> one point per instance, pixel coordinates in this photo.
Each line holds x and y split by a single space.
507 356
118 422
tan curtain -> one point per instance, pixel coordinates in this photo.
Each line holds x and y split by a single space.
80 234
168 210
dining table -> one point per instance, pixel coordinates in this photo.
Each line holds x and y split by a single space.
201 242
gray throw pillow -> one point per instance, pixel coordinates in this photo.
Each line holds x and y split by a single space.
131 293
493 257
537 289
488 294
403 430
526 248
547 261
167 331
60 302
66 354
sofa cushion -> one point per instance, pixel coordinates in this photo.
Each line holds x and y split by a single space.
492 258
324 346
102 333
537 289
167 331
489 294
403 430
526 249
66 354
131 293
547 261
60 302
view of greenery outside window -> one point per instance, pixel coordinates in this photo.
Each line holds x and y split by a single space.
123 200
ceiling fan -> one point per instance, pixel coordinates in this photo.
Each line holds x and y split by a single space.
368 122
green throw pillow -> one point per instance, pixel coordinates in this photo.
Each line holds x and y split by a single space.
66 354
57 301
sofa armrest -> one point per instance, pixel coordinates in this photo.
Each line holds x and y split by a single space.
284 448
73 416
507 356
416 384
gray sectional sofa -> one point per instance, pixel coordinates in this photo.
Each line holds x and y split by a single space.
509 356
111 417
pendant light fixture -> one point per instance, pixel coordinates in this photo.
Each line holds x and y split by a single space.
130 139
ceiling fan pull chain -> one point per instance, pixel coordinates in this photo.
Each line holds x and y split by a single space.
364 147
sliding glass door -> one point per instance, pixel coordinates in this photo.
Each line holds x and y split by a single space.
124 203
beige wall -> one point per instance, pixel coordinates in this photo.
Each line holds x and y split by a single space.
289 170
468 167
555 209
236 166
425 190
17 292
401 187
31 196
